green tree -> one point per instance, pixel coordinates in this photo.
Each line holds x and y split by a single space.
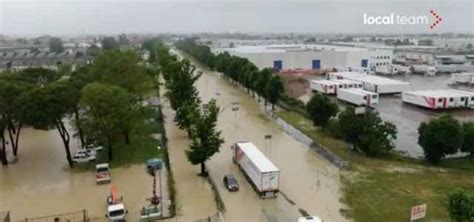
367 132
37 75
468 139
206 140
121 68
106 107
10 109
64 69
351 125
320 109
47 107
274 89
263 78
377 136
109 43
460 206
439 137
56 45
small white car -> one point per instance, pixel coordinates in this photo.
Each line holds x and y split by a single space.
309 219
83 157
90 152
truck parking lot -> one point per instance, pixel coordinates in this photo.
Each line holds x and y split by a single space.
408 117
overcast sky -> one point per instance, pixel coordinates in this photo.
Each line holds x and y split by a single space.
71 17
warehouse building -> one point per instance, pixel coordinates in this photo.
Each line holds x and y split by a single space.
310 57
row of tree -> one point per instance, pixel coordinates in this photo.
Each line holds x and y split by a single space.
239 70
100 101
199 120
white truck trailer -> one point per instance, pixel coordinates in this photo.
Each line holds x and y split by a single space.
377 84
323 86
258 169
424 70
348 84
439 99
358 97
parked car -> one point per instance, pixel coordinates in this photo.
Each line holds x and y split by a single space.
309 219
90 152
94 147
231 183
83 157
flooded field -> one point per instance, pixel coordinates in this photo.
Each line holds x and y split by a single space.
40 184
308 181
408 117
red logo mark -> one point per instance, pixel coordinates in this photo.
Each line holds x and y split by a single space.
437 20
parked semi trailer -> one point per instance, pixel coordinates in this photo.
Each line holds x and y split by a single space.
358 97
377 84
258 169
323 86
439 99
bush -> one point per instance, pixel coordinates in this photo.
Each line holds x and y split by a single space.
439 137
460 206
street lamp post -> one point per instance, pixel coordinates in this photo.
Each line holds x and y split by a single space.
269 138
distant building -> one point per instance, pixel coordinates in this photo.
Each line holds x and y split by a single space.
21 59
315 57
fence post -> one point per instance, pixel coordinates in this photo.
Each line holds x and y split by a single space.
84 218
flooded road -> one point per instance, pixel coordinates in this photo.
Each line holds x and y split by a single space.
194 197
408 117
40 184
307 180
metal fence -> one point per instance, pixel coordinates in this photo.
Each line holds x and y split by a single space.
77 216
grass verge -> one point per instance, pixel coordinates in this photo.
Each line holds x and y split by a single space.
384 189
141 148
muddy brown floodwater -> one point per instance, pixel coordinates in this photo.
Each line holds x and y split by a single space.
308 180
39 183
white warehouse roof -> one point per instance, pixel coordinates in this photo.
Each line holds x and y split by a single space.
291 48
379 80
257 157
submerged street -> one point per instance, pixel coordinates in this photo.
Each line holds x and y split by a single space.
307 180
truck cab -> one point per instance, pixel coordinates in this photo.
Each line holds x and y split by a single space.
116 212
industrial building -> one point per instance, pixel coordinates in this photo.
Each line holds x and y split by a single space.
284 57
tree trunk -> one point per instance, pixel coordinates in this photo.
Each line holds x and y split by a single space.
3 155
109 144
17 138
14 135
265 102
65 137
79 128
203 169
126 136
273 106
